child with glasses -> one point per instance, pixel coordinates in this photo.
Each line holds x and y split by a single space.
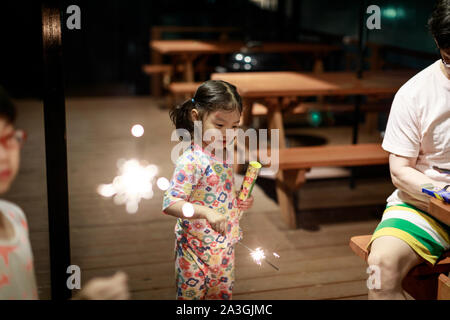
17 277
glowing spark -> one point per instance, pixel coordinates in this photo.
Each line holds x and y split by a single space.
258 255
106 190
133 183
163 183
188 210
137 130
276 255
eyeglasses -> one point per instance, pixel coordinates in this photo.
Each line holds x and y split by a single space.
14 139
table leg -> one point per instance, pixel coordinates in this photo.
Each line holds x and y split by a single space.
156 79
275 120
355 135
189 68
318 65
247 116
287 182
247 106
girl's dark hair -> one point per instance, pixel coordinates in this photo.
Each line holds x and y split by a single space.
439 23
7 108
212 95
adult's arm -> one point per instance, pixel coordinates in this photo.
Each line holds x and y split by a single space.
406 178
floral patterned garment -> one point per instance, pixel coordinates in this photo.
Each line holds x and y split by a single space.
202 179
195 280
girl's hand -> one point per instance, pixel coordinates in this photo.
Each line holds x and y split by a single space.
217 221
245 204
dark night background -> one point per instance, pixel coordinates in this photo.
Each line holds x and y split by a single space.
106 55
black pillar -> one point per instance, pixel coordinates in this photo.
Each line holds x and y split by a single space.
359 74
55 149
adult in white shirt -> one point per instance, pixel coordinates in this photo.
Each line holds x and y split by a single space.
418 140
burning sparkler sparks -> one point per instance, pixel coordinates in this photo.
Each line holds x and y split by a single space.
258 256
133 183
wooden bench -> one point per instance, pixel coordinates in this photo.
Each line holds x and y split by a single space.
183 88
259 109
166 70
423 282
295 162
181 91
443 287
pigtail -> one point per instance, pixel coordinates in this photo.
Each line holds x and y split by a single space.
181 115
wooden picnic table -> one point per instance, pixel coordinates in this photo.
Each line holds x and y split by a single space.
440 210
272 87
189 50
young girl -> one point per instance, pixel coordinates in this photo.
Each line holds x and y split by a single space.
204 250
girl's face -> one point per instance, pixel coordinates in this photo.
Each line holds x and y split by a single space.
220 120
9 155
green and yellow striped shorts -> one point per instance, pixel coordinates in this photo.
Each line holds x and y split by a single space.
427 236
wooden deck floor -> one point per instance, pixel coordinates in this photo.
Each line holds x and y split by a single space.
315 262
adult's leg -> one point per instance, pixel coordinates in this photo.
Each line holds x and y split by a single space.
393 258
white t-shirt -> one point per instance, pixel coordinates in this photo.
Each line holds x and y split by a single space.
17 278
419 126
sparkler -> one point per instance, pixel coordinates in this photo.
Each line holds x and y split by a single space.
134 182
258 255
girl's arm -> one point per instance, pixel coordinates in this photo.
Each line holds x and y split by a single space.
216 220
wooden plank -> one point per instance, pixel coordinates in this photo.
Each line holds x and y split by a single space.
303 274
184 87
443 288
172 47
358 245
299 280
440 210
158 294
150 273
157 68
281 84
356 297
260 109
330 291
185 29
340 155
313 292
